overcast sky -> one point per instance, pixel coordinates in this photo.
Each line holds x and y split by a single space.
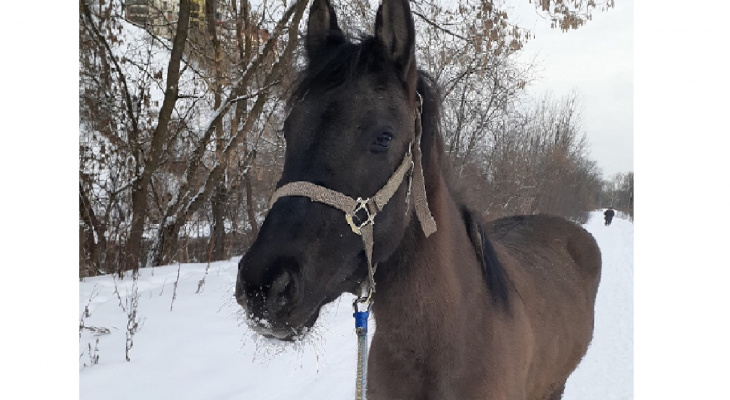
596 61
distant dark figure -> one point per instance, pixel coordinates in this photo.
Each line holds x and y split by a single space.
609 215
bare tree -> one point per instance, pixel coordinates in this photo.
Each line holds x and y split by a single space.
126 129
180 116
195 189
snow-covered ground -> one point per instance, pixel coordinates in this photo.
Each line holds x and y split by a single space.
192 344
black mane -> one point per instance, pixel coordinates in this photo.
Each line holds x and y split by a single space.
492 268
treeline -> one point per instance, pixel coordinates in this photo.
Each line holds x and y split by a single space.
537 162
180 144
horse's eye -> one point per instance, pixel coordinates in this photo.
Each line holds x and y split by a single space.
383 140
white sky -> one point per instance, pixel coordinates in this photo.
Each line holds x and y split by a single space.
596 61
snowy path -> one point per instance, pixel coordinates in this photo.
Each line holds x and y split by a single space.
606 371
200 350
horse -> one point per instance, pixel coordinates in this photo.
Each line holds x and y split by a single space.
465 309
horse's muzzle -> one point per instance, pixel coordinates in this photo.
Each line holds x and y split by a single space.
273 306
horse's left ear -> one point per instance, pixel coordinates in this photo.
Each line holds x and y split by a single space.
394 27
323 33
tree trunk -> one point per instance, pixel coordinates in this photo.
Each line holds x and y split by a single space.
140 188
250 206
218 235
244 49
218 200
95 240
192 198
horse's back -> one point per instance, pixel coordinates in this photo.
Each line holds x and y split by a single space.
539 240
555 268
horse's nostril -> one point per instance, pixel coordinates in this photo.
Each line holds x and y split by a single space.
282 289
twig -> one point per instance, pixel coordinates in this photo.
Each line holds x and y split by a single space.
98 330
174 287
439 27
132 322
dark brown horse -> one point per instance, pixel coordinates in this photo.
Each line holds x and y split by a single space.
502 310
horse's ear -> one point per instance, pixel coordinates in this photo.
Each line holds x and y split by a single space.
394 27
322 29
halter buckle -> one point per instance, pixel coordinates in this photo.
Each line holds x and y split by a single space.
363 302
368 218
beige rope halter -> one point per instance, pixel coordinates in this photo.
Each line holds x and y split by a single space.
352 208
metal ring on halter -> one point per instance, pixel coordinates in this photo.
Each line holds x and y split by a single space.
366 300
369 219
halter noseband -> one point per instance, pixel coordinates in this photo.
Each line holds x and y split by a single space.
355 208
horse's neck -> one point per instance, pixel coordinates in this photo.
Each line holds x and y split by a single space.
420 283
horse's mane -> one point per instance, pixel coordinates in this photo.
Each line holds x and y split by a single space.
432 144
344 62
493 271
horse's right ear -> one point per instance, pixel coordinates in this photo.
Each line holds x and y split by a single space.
322 29
394 27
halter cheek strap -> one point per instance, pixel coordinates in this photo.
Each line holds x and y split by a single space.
428 224
360 213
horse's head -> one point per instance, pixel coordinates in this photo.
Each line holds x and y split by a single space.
349 129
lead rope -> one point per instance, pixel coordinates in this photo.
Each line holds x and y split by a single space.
361 317
361 329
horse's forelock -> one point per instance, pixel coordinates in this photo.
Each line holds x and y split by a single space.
341 64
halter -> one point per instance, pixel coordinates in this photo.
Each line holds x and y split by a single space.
360 216
360 213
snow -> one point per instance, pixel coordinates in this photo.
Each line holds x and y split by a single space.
193 344
606 371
